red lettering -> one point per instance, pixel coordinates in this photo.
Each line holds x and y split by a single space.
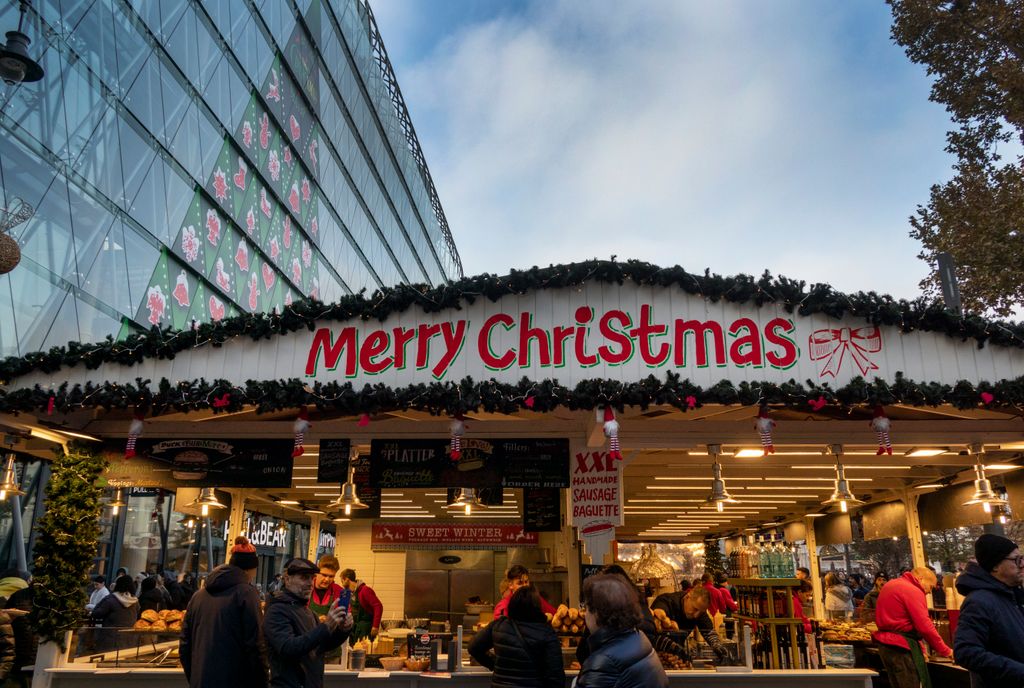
790 352
751 356
700 332
483 342
643 333
423 344
621 338
375 345
561 333
402 337
584 314
526 333
454 336
332 350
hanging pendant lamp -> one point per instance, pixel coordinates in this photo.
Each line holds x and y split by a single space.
207 500
117 502
467 499
9 486
16 67
841 494
719 495
349 498
983 492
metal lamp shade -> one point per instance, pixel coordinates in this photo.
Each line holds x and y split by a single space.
467 497
9 486
983 492
841 494
16 67
208 500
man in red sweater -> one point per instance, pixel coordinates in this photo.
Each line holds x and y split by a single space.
903 623
721 600
518 577
366 607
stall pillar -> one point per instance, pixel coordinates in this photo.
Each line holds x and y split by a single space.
914 534
314 536
236 519
815 566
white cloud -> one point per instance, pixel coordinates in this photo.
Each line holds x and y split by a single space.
736 136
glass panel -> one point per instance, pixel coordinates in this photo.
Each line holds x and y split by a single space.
175 102
8 328
145 98
170 15
179 195
136 158
65 326
142 257
36 301
218 93
148 208
46 238
108 278
90 222
94 41
132 50
186 144
182 46
39 107
100 161
94 324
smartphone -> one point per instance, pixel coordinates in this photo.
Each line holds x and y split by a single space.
344 599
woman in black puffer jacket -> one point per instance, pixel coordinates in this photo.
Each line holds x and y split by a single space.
620 655
527 653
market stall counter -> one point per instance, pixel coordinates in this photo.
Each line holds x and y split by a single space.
469 677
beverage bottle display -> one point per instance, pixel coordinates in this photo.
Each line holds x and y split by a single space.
765 562
755 560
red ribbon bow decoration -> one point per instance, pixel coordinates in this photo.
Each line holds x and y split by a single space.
832 345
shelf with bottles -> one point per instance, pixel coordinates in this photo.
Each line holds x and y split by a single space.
768 557
761 599
785 646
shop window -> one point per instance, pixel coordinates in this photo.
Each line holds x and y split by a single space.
950 550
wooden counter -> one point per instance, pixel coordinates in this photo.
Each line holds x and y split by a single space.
78 677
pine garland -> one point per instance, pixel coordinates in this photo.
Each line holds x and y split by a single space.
468 395
66 545
794 296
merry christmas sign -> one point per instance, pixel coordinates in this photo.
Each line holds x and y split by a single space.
620 332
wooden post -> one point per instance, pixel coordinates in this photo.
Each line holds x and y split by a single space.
236 519
914 534
314 536
815 566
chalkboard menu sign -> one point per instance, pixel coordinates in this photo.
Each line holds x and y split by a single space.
479 466
535 462
368 494
174 463
588 570
407 463
542 509
332 464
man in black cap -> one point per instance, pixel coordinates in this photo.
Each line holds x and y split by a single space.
990 635
220 636
296 640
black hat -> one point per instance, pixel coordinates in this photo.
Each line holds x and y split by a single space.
297 566
243 554
991 549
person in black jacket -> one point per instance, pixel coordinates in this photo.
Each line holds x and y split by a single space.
150 597
690 610
25 642
990 636
220 635
119 609
527 653
620 655
296 641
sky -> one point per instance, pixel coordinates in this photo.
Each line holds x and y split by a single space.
788 135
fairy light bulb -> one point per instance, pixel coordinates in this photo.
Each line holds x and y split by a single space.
348 509
720 506
205 511
842 506
469 509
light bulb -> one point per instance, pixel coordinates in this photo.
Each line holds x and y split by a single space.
720 506
986 507
1002 519
469 509
191 523
206 510
348 509
115 510
3 495
842 505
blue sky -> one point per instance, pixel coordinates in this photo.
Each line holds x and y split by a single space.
791 135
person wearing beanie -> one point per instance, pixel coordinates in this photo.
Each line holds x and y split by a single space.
220 636
990 636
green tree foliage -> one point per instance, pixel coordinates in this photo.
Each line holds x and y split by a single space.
975 52
68 536
714 560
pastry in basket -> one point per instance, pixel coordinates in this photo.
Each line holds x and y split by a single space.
158 626
141 625
163 614
174 626
150 615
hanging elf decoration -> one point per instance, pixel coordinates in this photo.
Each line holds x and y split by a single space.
880 424
458 429
611 430
300 427
134 431
764 426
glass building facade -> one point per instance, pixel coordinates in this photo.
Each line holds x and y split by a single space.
192 160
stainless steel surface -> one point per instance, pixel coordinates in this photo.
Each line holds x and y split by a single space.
439 583
425 591
431 560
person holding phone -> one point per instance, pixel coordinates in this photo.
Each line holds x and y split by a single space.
296 640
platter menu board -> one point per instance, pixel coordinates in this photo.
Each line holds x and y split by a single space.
542 509
332 462
406 463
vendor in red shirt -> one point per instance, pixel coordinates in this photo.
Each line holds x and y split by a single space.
325 590
721 600
366 607
903 623
518 577
802 602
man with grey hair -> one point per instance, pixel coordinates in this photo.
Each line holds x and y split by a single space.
903 623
